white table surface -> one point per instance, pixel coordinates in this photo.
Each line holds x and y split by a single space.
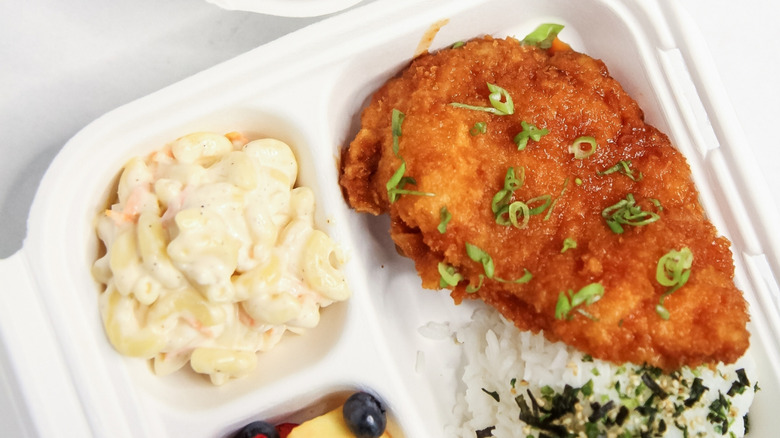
65 63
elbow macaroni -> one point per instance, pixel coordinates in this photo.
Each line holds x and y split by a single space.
211 256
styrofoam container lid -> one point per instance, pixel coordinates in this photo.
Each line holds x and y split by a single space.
287 8
308 89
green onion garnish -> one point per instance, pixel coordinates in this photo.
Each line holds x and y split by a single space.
527 276
539 208
529 132
516 209
480 256
444 219
578 181
478 128
458 44
470 289
626 212
563 307
511 183
519 209
622 167
587 296
587 389
568 243
555 201
543 35
673 271
397 121
449 276
500 100
518 213
394 181
395 185
580 151
657 204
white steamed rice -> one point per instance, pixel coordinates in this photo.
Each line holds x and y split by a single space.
496 356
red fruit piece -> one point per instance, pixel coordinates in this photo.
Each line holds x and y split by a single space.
284 429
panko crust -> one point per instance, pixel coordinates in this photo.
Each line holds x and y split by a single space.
571 95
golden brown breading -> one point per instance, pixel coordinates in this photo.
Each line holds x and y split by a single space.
571 95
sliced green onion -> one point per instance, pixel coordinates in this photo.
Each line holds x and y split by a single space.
499 205
478 128
458 44
395 185
584 313
657 204
444 218
540 208
521 209
392 183
672 266
587 296
470 289
568 243
543 35
478 255
502 216
397 121
581 153
502 197
527 276
673 271
500 101
622 167
563 307
578 181
555 201
449 276
662 311
397 192
511 182
529 132
626 212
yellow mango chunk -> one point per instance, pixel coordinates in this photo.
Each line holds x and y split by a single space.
331 425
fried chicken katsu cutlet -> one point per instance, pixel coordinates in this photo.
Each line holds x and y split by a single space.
528 178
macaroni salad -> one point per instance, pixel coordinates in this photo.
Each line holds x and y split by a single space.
211 256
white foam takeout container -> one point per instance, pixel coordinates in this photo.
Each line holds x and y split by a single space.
287 8
307 89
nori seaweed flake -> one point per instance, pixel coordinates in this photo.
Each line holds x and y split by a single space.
486 432
739 385
653 386
697 389
600 411
493 394
719 414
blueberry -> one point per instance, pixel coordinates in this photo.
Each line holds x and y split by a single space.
257 429
364 415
